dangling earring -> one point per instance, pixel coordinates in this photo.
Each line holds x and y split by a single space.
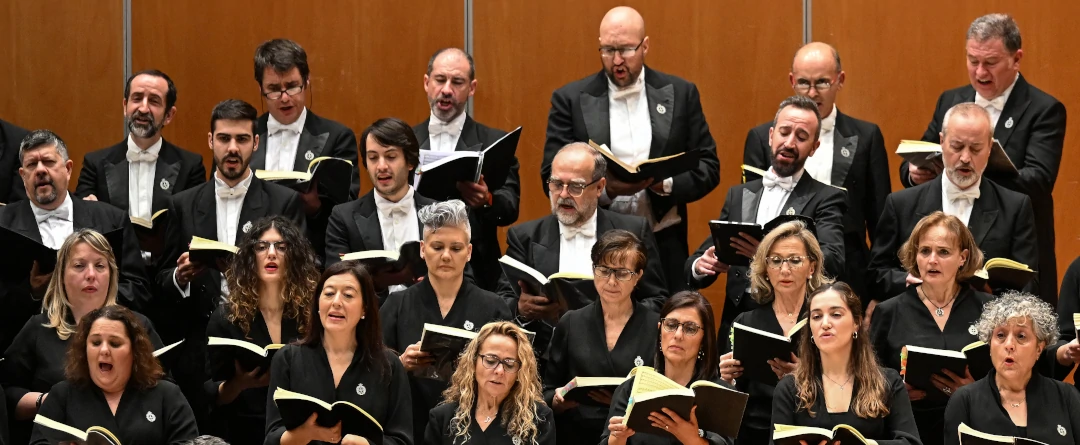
855 334
811 339
700 354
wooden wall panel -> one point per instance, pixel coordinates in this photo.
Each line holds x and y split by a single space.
367 58
738 54
899 58
63 71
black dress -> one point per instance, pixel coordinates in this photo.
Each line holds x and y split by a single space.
159 415
438 431
579 349
403 316
896 428
618 408
377 385
905 320
1053 411
243 421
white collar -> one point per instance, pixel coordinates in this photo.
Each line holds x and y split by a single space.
1004 95
154 149
829 121
381 202
588 224
949 188
640 83
298 125
246 182
65 207
794 178
457 122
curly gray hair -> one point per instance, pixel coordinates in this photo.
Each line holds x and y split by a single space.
452 213
1013 306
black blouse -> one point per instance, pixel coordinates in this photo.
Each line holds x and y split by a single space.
403 316
618 408
578 348
438 430
159 415
383 395
244 420
896 428
1053 415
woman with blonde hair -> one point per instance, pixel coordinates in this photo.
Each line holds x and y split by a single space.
494 394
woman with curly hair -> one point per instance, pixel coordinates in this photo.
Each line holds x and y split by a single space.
271 280
114 381
494 394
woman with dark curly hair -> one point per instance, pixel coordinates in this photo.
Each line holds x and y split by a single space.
271 280
114 381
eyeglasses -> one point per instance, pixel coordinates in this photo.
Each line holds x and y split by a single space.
291 91
263 246
492 361
575 189
803 86
608 52
605 272
794 262
689 328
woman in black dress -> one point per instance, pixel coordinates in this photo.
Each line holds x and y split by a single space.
607 338
1013 400
114 382
685 354
494 397
271 280
785 268
838 380
342 358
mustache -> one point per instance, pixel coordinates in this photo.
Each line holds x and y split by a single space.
785 151
566 202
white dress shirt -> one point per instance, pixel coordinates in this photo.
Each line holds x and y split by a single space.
957 202
397 220
995 105
443 136
283 142
54 225
819 166
142 167
575 246
228 202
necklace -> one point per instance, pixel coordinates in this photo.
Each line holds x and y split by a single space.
790 314
837 384
940 312
489 418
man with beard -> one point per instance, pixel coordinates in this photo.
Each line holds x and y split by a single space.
851 154
222 210
786 189
141 174
10 136
1001 220
640 114
563 241
49 216
1029 124
450 82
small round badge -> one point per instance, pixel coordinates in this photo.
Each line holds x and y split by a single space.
468 325
1009 124
661 109
845 152
247 227
309 155
151 418
790 211
360 389
164 184
638 361
1061 430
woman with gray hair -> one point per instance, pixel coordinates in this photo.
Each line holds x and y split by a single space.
443 297
1013 400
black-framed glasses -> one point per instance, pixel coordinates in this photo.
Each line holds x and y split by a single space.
492 361
605 272
802 86
575 189
689 328
608 52
291 91
794 262
263 246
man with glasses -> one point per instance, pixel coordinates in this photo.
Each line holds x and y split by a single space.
639 114
851 154
786 189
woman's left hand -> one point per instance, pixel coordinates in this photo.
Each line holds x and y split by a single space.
782 368
351 439
951 382
686 431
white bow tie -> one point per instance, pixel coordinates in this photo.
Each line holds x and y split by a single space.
396 208
231 192
60 213
997 103
969 195
141 156
632 90
770 180
273 127
827 125
571 232
436 128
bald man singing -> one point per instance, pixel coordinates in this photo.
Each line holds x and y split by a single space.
851 155
640 114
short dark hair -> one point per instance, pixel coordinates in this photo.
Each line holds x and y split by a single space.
281 55
234 110
392 132
145 368
170 95
997 26
708 366
800 103
40 138
619 244
431 61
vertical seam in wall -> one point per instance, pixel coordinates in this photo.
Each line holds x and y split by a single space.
468 47
127 46
807 29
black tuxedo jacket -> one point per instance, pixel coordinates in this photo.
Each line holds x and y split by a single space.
860 165
104 174
824 203
134 289
11 136
354 226
485 221
321 137
1002 223
1031 129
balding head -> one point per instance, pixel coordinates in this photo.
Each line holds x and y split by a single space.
623 20
816 73
623 45
449 83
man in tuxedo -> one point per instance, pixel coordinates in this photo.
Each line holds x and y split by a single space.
140 174
292 135
48 217
786 189
10 137
851 154
1028 123
450 82
562 241
223 210
639 113
1001 220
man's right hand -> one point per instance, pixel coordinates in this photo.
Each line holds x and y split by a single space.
919 175
616 187
187 269
536 307
708 264
90 197
39 282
